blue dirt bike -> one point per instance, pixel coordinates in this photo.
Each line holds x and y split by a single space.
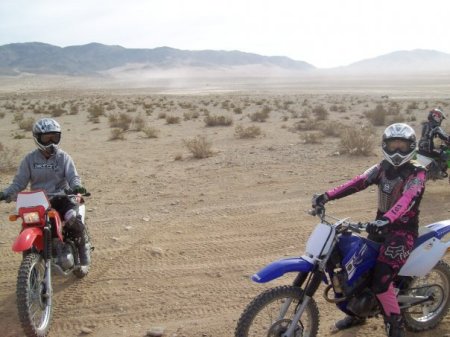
337 256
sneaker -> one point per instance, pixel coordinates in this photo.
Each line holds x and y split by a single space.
347 322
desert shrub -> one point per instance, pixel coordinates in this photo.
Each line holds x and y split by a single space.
18 116
173 119
320 112
26 124
248 132
377 116
56 110
260 116
338 108
330 128
117 134
8 162
190 115
357 141
312 137
122 121
306 125
139 123
95 112
199 146
237 111
218 120
162 115
151 132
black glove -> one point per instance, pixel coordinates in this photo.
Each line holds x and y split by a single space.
376 226
79 189
2 196
319 200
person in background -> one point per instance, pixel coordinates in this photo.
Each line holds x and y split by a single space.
401 185
431 130
51 169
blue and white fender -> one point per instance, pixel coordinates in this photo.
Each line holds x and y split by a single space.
278 268
429 249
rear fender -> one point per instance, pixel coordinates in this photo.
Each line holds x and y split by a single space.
278 268
28 238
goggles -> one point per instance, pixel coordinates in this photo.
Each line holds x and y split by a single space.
398 145
49 138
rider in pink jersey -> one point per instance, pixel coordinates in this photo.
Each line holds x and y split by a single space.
401 184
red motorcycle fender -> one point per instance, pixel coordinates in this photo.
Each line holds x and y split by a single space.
28 238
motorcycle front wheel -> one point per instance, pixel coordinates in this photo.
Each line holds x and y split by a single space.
436 285
33 299
270 314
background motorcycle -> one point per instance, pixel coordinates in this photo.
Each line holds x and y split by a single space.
433 166
45 246
344 261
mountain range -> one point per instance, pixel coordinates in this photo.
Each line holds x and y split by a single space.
100 59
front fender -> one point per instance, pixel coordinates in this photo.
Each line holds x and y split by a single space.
279 268
28 238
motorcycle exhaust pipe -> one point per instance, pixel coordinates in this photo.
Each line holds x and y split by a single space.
334 299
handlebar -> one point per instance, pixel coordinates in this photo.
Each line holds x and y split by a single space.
356 227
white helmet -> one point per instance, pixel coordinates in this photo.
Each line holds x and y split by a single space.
399 143
47 134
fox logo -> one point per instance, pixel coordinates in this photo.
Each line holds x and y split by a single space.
395 252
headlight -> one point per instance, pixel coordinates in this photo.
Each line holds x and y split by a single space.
32 217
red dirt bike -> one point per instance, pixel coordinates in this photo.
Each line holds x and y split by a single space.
45 245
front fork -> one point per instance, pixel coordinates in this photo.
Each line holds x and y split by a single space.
311 287
48 265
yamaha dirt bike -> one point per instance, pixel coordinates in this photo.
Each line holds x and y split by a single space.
46 246
343 260
435 168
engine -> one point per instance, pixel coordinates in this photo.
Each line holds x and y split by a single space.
63 255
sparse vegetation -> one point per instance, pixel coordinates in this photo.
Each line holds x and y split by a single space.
199 146
9 157
357 141
247 132
218 120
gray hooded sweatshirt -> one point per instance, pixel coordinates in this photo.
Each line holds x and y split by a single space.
51 175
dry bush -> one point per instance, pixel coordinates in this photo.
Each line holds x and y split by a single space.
312 137
117 134
26 124
218 120
122 121
306 125
2 114
199 146
190 115
237 111
173 119
139 123
377 116
95 112
8 162
321 112
357 141
330 128
248 132
260 116
151 132
56 110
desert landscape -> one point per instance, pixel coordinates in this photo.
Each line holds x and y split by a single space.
198 184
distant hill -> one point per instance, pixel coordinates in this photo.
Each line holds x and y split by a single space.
400 62
94 58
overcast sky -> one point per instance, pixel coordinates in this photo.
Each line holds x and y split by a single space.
324 33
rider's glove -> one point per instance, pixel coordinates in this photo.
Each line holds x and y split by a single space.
319 200
79 189
375 227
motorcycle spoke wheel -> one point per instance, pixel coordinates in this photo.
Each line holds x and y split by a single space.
435 284
270 315
33 299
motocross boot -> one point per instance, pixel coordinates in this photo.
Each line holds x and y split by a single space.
84 249
394 326
347 322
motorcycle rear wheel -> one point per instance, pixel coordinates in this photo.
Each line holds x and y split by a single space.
33 299
428 315
264 317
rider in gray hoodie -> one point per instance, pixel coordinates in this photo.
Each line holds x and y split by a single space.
51 169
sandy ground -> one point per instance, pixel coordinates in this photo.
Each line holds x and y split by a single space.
176 239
